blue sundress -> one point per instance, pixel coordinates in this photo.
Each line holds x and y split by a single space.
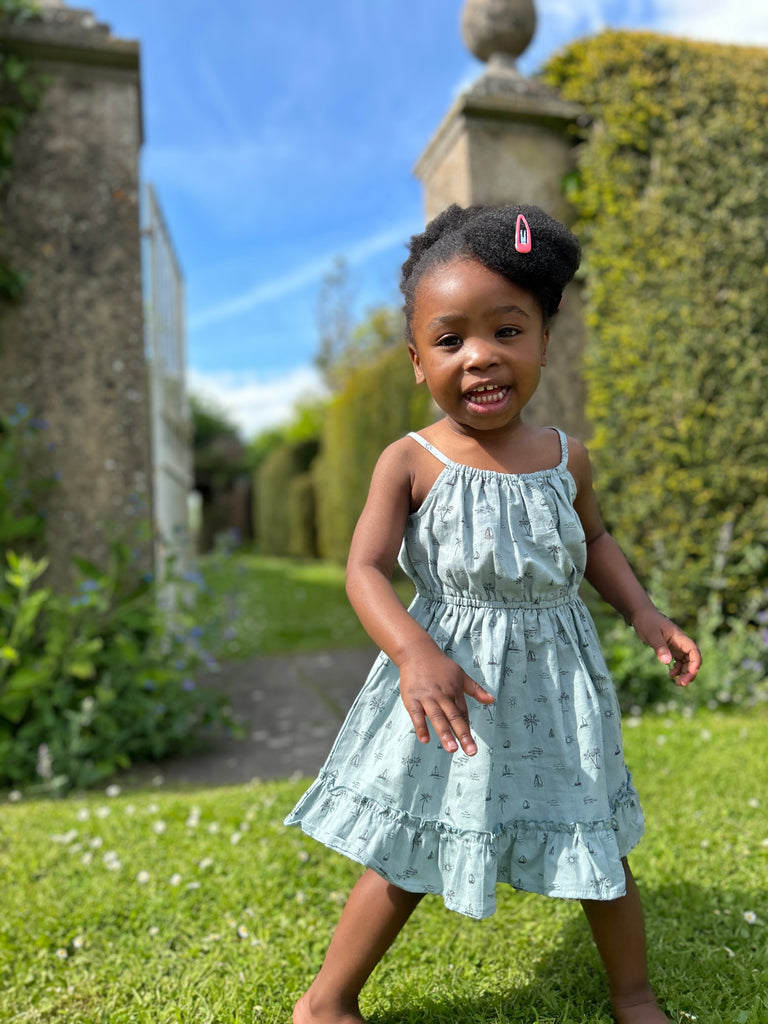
547 803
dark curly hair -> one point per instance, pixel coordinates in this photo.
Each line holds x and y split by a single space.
487 234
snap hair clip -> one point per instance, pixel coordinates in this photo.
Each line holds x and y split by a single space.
522 235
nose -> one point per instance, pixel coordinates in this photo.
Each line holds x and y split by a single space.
480 352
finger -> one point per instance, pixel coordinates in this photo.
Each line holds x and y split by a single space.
663 653
451 725
473 689
419 720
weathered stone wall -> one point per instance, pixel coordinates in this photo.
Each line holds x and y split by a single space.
505 140
73 349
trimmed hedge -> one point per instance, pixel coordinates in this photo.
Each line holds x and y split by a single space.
380 403
284 502
672 200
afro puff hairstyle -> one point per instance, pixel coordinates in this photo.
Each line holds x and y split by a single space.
487 234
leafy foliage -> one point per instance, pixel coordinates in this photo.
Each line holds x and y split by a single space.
380 402
20 92
672 196
25 478
94 681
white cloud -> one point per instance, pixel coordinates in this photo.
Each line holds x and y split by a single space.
252 402
745 22
302 276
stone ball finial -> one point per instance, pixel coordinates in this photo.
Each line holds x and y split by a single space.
503 27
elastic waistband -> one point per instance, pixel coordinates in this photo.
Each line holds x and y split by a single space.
510 605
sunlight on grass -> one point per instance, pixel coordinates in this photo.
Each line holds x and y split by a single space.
200 906
254 605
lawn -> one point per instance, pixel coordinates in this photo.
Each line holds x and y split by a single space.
251 604
200 906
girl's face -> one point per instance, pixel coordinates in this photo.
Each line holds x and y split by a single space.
479 345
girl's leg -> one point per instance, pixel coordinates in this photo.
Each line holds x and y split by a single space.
370 922
619 933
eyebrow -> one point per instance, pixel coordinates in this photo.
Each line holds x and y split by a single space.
451 318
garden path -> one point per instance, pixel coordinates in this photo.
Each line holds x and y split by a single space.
291 707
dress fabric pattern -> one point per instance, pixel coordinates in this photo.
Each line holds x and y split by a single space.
547 803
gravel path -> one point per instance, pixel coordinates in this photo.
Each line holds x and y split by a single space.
292 707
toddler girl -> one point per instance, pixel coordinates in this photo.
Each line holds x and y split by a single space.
496 523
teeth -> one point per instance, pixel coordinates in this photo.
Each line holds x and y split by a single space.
487 394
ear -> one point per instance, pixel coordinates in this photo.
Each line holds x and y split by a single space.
544 343
419 373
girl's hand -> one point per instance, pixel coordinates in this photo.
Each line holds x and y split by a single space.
672 646
432 686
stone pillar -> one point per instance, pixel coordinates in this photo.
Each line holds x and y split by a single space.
72 350
506 140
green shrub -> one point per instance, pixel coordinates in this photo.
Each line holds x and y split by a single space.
380 402
92 682
285 509
25 479
672 199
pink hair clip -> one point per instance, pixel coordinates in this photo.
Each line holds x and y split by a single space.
522 234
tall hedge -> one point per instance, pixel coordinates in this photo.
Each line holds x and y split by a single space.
672 197
284 500
379 403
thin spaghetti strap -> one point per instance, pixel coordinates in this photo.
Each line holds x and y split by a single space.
563 449
430 448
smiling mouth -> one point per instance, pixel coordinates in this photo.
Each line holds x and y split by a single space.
488 394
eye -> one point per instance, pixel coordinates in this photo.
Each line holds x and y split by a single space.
448 341
508 332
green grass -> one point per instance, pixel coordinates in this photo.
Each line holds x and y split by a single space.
256 605
155 952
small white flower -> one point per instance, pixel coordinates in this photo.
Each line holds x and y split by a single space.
103 812
705 734
175 879
112 861
153 930
750 916
96 842
157 781
303 856
130 808
300 897
78 942
214 828
244 826
729 951
152 809
159 826
87 859
193 885
192 821
235 838
231 922
14 796
206 862
83 814
242 932
62 954
142 877
754 803
764 843
661 740
113 791
704 844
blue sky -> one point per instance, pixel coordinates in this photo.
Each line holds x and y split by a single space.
281 135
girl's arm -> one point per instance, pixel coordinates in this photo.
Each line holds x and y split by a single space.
432 686
610 574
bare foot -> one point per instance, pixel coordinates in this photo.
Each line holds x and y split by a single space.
643 1009
306 1011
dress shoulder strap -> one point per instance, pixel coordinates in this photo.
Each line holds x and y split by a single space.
563 448
430 448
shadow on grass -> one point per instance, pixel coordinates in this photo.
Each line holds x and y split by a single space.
706 961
